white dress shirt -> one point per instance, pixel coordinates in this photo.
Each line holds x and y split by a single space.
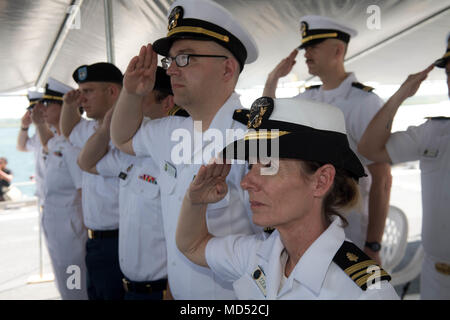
100 194
142 246
236 258
229 216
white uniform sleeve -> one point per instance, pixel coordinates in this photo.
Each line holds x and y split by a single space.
70 157
362 115
406 145
32 143
111 164
149 139
81 133
228 257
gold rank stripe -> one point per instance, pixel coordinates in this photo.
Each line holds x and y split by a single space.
361 281
265 135
173 111
320 36
446 55
52 97
199 30
357 267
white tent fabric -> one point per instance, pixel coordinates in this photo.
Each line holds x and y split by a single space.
411 35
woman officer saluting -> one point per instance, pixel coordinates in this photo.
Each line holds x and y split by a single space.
301 190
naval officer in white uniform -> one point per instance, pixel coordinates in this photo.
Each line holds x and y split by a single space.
62 217
205 50
25 143
325 42
314 181
142 246
430 144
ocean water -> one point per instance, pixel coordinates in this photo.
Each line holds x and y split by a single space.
20 163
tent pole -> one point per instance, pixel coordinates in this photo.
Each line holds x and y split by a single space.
59 41
109 30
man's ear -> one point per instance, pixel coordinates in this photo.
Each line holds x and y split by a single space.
114 90
324 178
231 69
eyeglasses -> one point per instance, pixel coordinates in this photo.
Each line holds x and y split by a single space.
182 60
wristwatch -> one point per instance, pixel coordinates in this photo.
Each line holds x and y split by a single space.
374 246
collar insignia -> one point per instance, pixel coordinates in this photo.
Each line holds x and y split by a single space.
352 257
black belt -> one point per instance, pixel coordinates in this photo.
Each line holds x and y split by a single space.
144 287
95 234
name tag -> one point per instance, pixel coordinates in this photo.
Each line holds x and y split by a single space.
431 153
260 279
170 169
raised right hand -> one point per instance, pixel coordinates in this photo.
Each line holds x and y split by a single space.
73 98
26 119
140 75
285 66
413 82
209 185
37 115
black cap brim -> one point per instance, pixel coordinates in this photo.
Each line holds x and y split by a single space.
322 147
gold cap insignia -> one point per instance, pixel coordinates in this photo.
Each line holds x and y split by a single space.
352 257
262 106
177 13
303 28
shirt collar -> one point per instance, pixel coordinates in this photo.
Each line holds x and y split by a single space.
344 87
224 117
320 255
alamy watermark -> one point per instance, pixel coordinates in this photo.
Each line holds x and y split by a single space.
374 20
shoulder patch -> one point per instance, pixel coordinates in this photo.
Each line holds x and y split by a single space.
177 111
438 118
241 115
362 87
358 266
313 87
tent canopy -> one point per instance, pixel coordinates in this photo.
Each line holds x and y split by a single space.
42 38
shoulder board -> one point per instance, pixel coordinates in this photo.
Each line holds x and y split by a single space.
177 111
362 87
241 115
438 118
313 87
358 266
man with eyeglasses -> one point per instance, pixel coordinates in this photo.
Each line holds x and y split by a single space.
205 51
99 87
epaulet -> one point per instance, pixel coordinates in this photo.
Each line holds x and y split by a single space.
241 115
438 118
313 87
177 111
362 87
358 266
269 230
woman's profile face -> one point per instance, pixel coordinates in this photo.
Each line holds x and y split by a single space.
279 198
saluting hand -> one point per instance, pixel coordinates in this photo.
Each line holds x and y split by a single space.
26 119
37 115
209 185
73 98
140 75
413 82
285 66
